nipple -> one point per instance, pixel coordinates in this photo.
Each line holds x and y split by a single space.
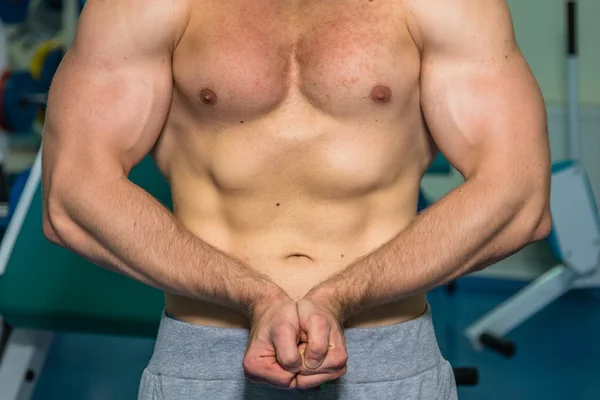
208 96
381 94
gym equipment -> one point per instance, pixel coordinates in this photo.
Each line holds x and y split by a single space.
3 79
4 202
49 68
466 376
574 240
573 81
45 57
23 93
37 288
44 64
20 97
439 165
18 101
14 11
51 289
54 4
16 190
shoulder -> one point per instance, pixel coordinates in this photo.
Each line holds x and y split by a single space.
444 23
142 21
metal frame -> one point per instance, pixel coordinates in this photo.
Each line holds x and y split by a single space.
24 354
528 301
591 281
26 350
520 307
577 231
16 223
22 363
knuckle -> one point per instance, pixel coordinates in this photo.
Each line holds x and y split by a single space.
289 360
317 349
280 381
341 359
283 325
248 364
304 384
318 321
282 328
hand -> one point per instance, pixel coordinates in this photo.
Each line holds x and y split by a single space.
272 355
323 346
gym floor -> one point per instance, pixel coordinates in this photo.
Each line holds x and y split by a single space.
558 351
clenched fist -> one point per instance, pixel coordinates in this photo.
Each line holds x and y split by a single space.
272 355
322 344
294 345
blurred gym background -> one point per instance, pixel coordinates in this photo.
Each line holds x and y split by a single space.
525 328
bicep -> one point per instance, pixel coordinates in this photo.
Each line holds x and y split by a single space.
111 94
112 114
479 97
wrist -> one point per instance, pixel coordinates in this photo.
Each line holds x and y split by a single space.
329 301
267 298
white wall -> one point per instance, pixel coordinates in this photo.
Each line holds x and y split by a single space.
540 27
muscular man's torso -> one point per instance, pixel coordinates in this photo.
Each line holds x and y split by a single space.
295 140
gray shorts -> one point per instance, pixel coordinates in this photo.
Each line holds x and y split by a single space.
400 362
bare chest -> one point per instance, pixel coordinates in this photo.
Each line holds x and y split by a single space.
243 59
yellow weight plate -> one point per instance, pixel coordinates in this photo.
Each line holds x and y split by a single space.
39 56
40 117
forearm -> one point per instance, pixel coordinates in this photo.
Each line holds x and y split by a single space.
119 226
472 227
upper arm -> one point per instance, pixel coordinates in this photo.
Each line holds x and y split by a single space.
111 94
479 98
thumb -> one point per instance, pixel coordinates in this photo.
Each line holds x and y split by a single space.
316 348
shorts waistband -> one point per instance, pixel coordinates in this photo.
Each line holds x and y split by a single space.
391 352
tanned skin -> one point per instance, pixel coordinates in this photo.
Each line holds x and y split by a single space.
294 136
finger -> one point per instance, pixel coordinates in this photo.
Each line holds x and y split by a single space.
337 350
337 355
260 381
285 342
259 368
310 381
264 382
330 365
274 376
336 358
318 333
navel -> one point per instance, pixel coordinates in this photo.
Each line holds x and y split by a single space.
208 96
381 94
